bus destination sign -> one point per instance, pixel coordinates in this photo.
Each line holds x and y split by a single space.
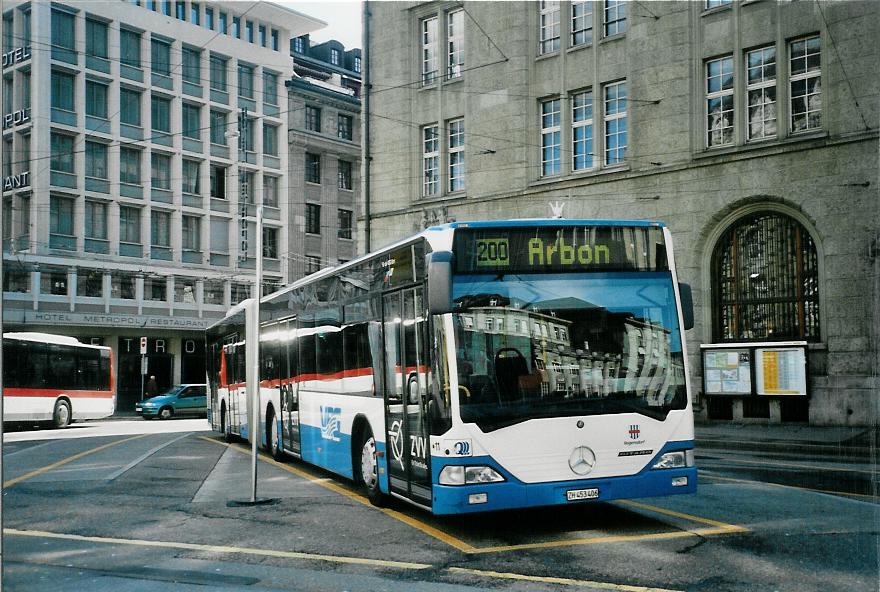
555 249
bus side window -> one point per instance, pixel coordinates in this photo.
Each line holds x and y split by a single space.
87 377
62 367
10 364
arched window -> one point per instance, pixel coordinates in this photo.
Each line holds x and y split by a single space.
765 280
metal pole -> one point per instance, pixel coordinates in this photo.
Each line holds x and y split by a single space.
255 411
2 392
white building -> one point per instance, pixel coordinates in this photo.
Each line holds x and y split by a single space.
125 196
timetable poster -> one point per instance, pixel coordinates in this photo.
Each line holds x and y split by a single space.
727 372
781 371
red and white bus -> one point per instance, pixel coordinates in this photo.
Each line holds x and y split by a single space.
56 378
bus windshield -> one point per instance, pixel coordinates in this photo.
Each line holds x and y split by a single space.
545 345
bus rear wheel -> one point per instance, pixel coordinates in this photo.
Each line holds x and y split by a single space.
61 414
368 468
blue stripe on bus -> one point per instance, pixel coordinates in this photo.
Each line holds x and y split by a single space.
514 493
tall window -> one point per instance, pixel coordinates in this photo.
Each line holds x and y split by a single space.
761 91
194 14
581 22
313 118
191 173
344 222
582 130
270 191
190 232
96 38
249 31
270 139
246 183
63 86
766 269
218 181
129 225
313 264
160 109
191 70
218 127
270 88
160 228
160 171
62 155
96 99
298 45
344 126
549 26
615 17
313 218
218 73
209 18
456 155
60 215
130 166
430 160
550 138
344 174
96 220
246 81
334 56
806 84
270 242
313 168
429 50
719 102
615 123
222 22
191 121
130 106
90 282
160 56
130 48
63 33
96 160
454 43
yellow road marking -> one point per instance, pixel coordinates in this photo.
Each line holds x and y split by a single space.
867 496
64 461
361 499
718 527
552 580
689 517
217 549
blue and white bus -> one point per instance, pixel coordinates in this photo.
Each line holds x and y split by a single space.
477 366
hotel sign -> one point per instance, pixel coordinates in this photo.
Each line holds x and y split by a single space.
16 181
16 56
16 118
105 320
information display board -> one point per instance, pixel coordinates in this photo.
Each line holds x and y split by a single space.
781 371
727 372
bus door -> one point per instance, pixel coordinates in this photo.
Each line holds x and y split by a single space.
290 434
406 380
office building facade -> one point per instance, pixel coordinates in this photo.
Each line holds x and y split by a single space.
748 127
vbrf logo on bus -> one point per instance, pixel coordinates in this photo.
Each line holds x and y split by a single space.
330 422
634 432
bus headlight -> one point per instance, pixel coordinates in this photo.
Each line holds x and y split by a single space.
675 460
459 475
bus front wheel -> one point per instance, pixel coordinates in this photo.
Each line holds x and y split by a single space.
273 445
61 414
368 472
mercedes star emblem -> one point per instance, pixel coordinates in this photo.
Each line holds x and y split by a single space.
582 460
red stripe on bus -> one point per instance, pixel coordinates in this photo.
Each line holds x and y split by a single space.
54 393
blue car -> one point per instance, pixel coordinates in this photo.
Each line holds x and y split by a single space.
181 400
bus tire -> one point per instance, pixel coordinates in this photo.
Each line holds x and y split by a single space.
61 414
367 472
166 413
273 443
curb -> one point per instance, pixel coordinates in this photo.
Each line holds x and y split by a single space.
795 447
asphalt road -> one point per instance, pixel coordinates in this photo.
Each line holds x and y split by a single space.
142 506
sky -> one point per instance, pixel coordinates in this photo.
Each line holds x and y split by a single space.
343 19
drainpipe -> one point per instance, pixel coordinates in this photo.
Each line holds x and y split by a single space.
365 136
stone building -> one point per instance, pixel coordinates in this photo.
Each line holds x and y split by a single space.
324 161
124 195
750 128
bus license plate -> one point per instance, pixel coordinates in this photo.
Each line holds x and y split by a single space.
581 494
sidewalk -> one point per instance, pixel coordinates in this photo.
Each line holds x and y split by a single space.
859 442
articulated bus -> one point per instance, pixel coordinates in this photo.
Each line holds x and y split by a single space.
476 366
55 378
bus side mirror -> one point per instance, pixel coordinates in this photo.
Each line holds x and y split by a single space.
687 305
439 268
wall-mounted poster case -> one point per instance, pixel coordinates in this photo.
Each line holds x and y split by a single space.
781 371
727 372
